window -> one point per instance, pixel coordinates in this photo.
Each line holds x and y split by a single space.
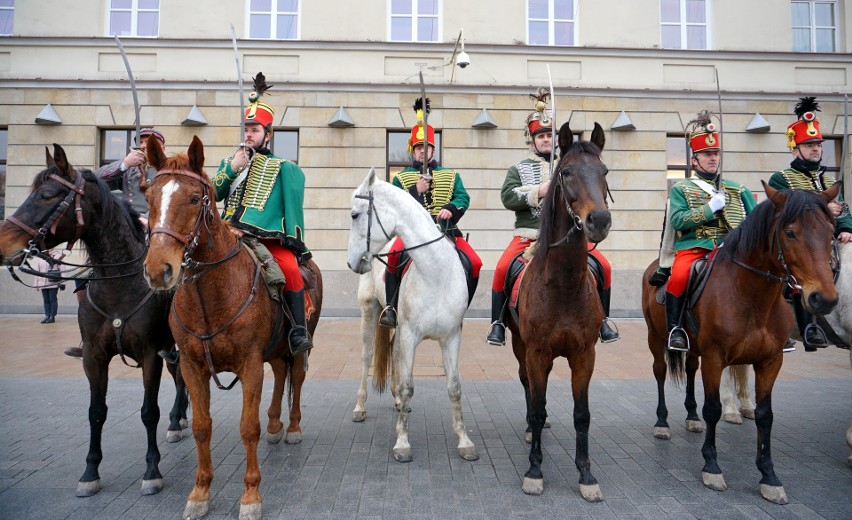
285 144
398 157
134 18
814 26
415 20
832 148
114 145
551 22
273 19
4 141
7 19
676 157
683 24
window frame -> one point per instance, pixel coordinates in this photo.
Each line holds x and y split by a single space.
273 14
11 9
397 166
837 144
134 19
4 156
686 168
285 130
414 18
551 22
684 26
129 140
812 26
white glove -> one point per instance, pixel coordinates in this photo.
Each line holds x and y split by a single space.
717 201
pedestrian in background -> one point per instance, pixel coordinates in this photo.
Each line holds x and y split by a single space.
48 287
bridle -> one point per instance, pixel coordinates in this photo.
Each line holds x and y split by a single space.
578 222
76 194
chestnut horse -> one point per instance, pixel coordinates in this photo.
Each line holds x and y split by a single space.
742 317
223 318
558 305
118 314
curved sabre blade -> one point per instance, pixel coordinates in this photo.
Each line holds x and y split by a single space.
132 88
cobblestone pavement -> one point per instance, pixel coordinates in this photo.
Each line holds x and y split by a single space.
345 470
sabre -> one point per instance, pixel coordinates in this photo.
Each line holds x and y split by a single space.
143 174
424 168
240 84
552 119
719 99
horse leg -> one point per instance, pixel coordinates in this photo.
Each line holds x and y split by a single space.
403 366
537 372
152 372
368 335
450 350
251 377
764 379
581 374
197 380
661 428
693 422
730 411
177 415
711 474
740 373
297 379
97 372
275 428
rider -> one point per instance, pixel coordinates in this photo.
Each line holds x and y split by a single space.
523 191
805 173
264 197
442 193
701 214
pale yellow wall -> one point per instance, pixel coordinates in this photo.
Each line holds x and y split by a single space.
753 26
59 17
634 24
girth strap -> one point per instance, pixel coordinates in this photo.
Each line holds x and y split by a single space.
118 323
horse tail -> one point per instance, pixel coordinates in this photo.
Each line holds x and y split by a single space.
676 361
739 374
382 355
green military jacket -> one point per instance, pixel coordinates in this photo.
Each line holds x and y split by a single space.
447 192
694 221
520 194
816 180
268 203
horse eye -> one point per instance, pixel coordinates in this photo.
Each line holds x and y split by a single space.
47 194
194 200
355 215
790 233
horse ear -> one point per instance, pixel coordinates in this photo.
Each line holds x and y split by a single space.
371 178
48 159
60 160
566 138
155 154
598 137
196 155
778 199
831 193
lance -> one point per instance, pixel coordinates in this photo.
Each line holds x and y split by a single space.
143 173
424 168
240 85
553 138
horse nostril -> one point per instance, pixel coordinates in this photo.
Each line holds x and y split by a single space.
349 265
167 273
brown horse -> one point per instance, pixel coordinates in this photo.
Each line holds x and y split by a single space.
223 318
742 317
560 312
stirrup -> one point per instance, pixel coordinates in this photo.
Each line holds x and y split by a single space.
612 327
171 357
305 345
814 329
384 314
789 346
492 338
677 349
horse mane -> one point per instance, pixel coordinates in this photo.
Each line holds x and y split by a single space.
547 224
757 227
180 161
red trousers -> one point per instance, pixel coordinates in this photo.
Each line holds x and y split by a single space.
680 269
461 243
286 260
518 244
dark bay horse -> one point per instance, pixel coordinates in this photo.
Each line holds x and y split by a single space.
559 308
119 314
742 316
223 318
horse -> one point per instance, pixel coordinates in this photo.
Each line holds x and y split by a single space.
432 302
222 317
840 318
119 314
558 309
742 317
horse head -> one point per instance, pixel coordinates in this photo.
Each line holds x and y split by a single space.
179 201
42 219
369 232
803 229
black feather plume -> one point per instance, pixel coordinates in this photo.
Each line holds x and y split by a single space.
541 95
260 85
418 105
805 105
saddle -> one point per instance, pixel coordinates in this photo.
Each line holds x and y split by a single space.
467 266
273 277
699 273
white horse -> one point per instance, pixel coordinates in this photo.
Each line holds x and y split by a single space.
432 302
841 318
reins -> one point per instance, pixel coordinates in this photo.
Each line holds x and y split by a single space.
788 277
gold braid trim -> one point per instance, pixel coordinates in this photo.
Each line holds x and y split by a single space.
734 210
443 184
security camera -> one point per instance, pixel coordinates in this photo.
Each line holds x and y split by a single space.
463 60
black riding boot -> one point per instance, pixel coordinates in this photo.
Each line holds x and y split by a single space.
607 333
497 332
300 339
659 277
171 357
677 336
813 337
388 316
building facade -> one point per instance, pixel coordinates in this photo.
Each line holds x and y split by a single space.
654 60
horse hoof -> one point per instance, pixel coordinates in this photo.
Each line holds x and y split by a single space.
774 494
533 486
402 454
184 424
275 438
733 418
174 436
293 438
359 416
250 511
195 510
592 493
714 481
694 426
849 460
468 453
152 487
87 489
528 437
662 432
747 413
547 423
